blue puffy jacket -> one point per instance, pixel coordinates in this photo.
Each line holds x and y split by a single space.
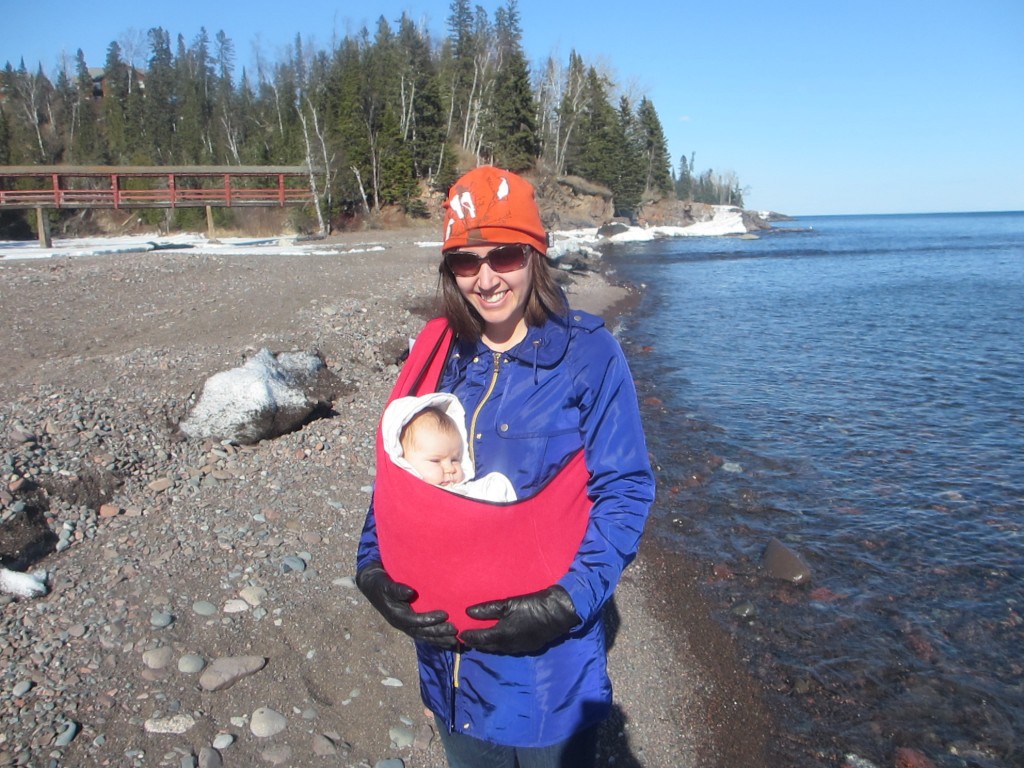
565 386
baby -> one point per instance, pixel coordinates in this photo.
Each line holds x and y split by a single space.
426 435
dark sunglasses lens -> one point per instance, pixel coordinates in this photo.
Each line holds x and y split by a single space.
463 264
504 258
507 258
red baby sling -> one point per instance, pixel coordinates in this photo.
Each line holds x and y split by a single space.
456 551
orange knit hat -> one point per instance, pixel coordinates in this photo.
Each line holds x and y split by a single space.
489 205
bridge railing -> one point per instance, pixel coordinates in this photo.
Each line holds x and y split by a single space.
153 186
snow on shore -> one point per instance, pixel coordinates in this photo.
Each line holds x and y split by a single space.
726 221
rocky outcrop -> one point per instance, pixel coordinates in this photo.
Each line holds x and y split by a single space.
569 202
673 213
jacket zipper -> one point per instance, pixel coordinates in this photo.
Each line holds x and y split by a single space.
480 406
472 455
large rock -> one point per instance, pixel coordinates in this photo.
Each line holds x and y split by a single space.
268 396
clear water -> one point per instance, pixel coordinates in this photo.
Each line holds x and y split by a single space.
853 386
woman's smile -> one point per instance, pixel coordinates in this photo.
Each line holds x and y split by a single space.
500 299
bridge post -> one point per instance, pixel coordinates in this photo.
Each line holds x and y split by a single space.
43 225
209 222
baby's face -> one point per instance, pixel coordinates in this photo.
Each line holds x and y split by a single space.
437 457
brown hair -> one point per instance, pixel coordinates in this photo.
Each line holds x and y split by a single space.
432 418
546 299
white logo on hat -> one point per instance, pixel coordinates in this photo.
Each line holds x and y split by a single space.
463 205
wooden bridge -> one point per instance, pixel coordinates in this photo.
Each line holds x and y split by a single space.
126 186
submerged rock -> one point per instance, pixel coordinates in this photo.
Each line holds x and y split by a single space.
781 562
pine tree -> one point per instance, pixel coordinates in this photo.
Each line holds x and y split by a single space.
422 125
159 114
684 182
115 102
5 139
592 151
346 124
628 182
657 171
85 144
229 117
513 126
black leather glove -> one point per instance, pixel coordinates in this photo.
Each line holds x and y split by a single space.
392 598
525 623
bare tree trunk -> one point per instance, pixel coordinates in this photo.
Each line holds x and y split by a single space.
466 134
231 135
312 174
328 177
29 90
567 123
407 108
362 191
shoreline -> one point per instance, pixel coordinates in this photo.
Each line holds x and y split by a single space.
105 350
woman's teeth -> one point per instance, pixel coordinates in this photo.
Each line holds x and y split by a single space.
493 298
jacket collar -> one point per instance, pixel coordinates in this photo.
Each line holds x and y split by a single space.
544 346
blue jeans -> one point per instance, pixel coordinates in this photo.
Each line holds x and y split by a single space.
578 751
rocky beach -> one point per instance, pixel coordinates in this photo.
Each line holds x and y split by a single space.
200 606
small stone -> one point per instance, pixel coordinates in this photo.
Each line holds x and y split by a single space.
745 610
254 596
424 737
176 724
209 757
204 608
401 736
392 682
323 746
280 754
226 671
161 619
391 762
158 658
160 485
67 735
191 664
236 605
293 563
109 510
780 562
266 722
223 740
21 688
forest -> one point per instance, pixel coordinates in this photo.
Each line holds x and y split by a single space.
387 117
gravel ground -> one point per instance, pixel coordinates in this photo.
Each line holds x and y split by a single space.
201 608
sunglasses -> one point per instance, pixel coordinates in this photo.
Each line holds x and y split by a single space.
504 258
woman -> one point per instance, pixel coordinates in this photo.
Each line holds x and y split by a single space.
539 383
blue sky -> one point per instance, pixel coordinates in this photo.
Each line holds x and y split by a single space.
818 107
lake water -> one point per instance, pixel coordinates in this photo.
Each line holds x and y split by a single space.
854 387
